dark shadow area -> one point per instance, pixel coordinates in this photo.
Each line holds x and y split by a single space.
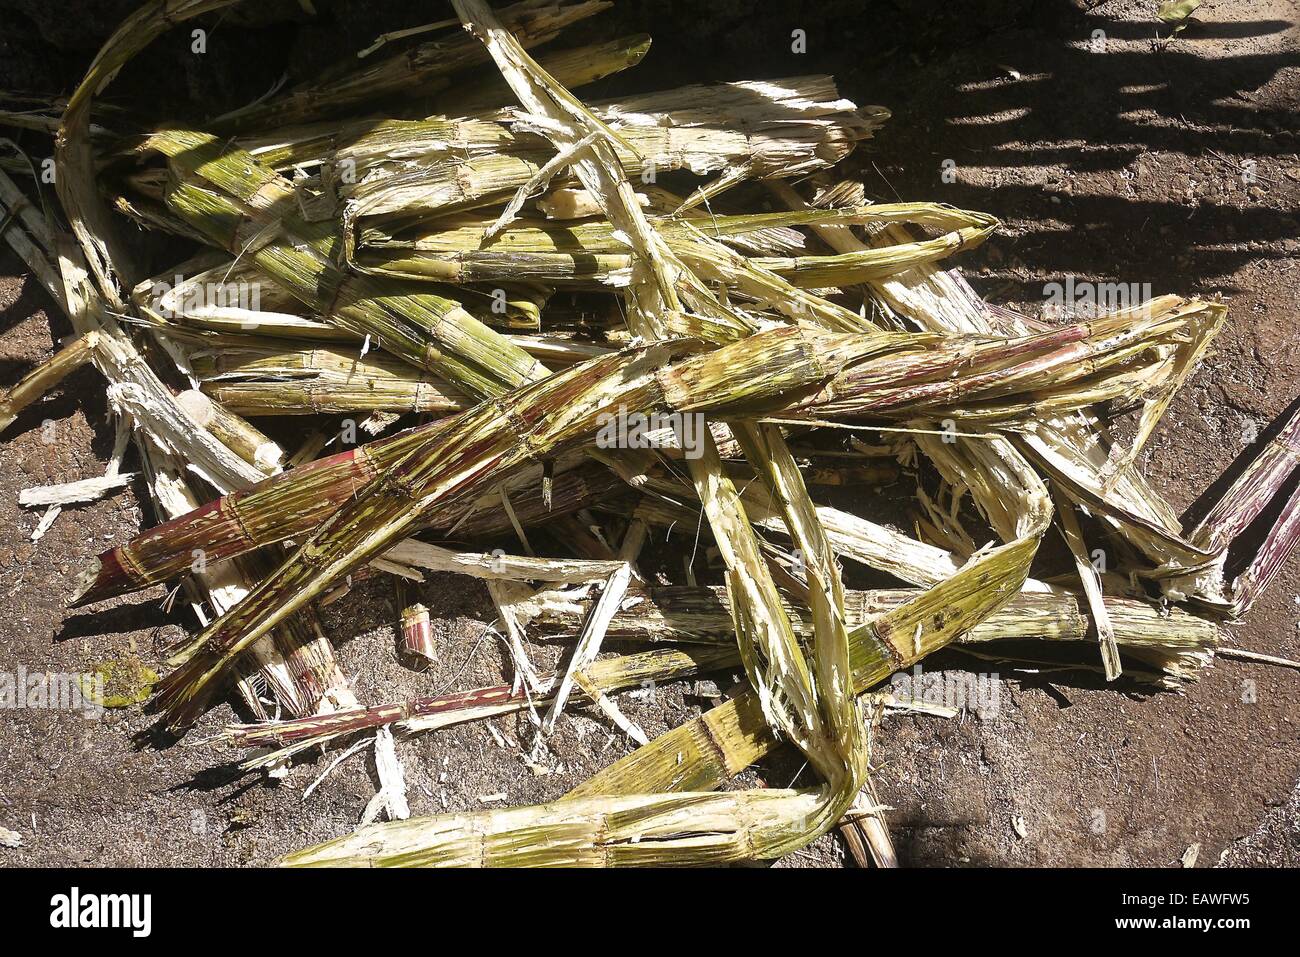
82 392
31 300
139 616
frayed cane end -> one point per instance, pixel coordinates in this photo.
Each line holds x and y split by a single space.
417 633
85 586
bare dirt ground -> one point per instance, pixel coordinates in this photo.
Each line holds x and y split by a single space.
1115 157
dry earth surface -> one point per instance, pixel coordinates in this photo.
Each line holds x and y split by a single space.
1116 157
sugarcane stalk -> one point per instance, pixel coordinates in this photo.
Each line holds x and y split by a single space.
1070 448
294 503
1252 491
783 127
46 376
241 437
378 138
1271 556
301 379
573 67
417 632
234 524
1178 643
427 330
425 68
181 304
201 301
680 830
1092 585
682 613
591 253
499 566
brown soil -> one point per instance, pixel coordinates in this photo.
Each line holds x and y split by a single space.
1119 165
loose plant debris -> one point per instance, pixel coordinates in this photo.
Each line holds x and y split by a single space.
528 312
1177 12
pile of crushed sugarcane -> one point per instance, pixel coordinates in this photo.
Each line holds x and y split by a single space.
493 278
